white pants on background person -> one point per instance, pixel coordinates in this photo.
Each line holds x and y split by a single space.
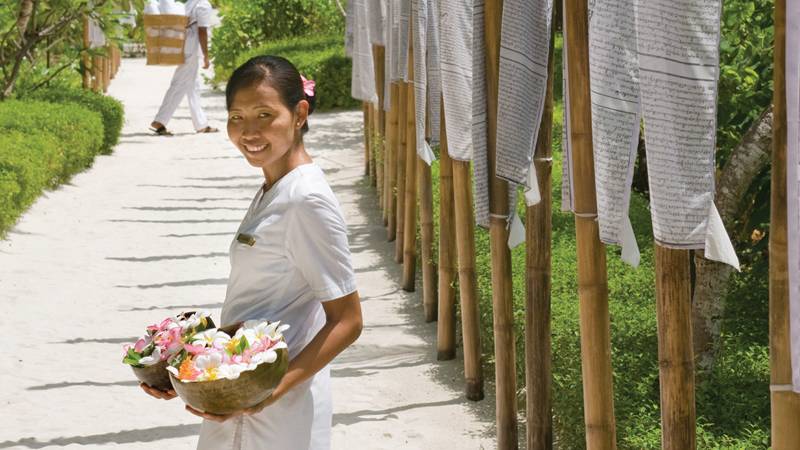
185 83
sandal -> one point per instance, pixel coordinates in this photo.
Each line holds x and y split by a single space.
208 129
161 131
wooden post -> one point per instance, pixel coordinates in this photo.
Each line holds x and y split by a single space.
675 355
377 52
402 124
96 81
87 74
390 191
598 396
410 203
446 325
429 300
785 404
367 152
467 281
106 70
538 360
502 295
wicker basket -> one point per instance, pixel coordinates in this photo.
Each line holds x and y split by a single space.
165 35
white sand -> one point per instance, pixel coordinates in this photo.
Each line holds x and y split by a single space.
144 234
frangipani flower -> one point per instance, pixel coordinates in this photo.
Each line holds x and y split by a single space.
152 358
211 338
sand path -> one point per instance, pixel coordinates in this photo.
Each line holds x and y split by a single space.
143 234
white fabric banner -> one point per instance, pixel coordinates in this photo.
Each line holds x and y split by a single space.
456 68
362 81
614 78
434 73
678 51
793 180
420 30
377 21
524 50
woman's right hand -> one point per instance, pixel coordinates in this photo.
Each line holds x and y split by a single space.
169 394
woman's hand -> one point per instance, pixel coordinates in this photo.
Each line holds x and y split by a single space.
169 394
247 411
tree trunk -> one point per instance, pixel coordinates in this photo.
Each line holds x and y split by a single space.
747 160
24 16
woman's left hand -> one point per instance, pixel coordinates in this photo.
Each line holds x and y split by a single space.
247 411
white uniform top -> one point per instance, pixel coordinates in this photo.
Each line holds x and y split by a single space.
300 258
200 15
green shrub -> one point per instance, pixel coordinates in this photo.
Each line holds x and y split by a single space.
109 108
320 58
253 23
28 164
79 131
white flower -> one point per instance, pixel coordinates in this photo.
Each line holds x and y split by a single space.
208 361
231 371
211 338
152 359
173 370
268 357
194 320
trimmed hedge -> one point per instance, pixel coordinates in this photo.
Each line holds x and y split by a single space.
320 58
109 108
29 163
44 143
79 131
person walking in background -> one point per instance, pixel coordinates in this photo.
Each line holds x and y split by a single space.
185 81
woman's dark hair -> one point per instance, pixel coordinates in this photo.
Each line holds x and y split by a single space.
276 72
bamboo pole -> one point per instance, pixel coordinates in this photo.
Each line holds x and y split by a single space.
785 404
367 152
96 81
390 190
598 396
446 325
87 75
410 202
675 355
502 295
106 71
402 124
429 296
538 359
467 281
377 52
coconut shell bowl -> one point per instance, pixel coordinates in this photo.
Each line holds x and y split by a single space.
225 396
157 376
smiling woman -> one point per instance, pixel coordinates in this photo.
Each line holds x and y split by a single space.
293 264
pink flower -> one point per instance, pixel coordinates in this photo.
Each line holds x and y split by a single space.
195 349
141 344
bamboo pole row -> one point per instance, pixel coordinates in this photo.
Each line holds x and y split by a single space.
399 187
785 404
99 70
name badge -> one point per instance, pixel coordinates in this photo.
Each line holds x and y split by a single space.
246 239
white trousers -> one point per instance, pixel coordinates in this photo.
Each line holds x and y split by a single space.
185 82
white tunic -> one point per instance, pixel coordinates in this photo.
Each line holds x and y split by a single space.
299 258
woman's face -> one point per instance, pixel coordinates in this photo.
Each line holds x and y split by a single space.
261 126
